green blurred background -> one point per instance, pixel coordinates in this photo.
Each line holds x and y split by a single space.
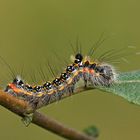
32 31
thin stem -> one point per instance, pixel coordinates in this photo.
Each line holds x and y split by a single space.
15 105
58 128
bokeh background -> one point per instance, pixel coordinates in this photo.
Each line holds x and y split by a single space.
32 32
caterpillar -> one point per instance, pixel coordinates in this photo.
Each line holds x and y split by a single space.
82 68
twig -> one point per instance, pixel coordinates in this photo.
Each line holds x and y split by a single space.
58 128
15 105
21 108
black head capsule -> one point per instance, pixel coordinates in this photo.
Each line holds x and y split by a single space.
64 76
56 82
47 86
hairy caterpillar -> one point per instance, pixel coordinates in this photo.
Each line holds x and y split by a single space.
94 72
91 72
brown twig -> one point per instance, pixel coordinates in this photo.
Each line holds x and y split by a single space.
21 108
15 105
58 128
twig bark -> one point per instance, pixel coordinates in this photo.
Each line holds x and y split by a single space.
21 108
58 128
15 105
